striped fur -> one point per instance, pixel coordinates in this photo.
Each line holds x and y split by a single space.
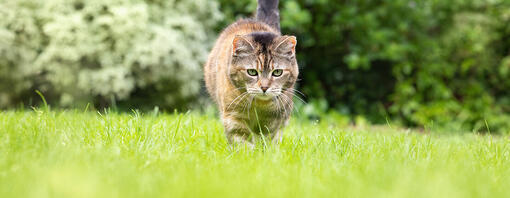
251 106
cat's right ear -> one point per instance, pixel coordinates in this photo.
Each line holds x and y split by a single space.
241 46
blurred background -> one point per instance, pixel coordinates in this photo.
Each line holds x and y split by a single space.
421 63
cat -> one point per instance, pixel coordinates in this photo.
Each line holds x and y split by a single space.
250 74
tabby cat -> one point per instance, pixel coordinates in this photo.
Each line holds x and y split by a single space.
250 74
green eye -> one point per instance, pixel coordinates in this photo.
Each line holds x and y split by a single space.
252 72
277 72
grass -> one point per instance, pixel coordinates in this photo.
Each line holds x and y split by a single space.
85 154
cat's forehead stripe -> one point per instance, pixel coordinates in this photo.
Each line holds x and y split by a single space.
271 61
267 62
263 38
260 62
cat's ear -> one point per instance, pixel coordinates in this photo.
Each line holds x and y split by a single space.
241 46
286 46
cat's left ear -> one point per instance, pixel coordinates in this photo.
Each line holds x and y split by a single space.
241 46
286 46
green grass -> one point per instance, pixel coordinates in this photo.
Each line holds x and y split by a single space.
76 154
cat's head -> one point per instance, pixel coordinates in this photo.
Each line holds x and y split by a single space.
263 64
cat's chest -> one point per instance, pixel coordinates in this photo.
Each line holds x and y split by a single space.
264 120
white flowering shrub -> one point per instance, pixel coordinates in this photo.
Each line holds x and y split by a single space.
78 51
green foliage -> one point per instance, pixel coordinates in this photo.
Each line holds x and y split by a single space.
425 63
87 154
81 51
422 63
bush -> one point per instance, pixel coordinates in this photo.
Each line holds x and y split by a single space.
422 63
94 51
425 63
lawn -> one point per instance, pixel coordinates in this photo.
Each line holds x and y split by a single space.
89 154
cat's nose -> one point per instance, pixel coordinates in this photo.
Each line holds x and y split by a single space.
264 89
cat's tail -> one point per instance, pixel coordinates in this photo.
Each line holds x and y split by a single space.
267 12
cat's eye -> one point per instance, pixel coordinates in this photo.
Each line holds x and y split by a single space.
252 72
277 72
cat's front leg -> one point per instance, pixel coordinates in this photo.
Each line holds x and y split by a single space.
237 132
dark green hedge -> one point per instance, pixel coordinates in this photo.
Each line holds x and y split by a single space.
421 63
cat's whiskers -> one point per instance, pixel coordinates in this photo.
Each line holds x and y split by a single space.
240 97
249 106
245 97
295 95
252 90
282 108
285 105
276 100
289 100
245 107
295 90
